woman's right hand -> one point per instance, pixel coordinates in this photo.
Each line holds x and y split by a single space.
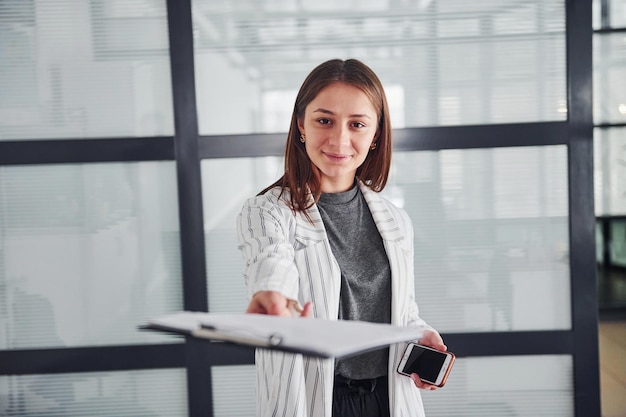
276 304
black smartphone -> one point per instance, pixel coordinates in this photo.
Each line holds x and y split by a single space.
431 365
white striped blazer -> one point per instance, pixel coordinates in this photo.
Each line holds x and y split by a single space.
284 252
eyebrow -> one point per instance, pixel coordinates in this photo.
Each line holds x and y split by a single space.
326 111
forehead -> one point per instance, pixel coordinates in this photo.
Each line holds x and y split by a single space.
342 97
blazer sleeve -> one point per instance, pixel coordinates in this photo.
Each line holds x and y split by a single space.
265 239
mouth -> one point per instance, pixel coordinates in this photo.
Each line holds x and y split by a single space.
334 157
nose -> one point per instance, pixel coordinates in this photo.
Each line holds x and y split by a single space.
339 136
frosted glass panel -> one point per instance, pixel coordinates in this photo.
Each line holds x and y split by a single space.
597 14
447 62
617 13
234 391
610 171
227 183
491 236
520 386
491 233
153 393
87 253
77 69
609 78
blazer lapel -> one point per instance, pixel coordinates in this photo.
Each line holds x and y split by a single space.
390 230
308 233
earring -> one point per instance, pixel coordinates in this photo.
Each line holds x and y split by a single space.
302 138
373 146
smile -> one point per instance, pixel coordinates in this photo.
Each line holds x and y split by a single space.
337 157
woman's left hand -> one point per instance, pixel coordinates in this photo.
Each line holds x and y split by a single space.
432 339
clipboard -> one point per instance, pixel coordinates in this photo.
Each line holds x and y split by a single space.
309 336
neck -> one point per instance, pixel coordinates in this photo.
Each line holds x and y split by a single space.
336 187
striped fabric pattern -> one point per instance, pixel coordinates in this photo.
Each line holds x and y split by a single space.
284 252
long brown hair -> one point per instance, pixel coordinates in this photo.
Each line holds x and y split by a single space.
301 177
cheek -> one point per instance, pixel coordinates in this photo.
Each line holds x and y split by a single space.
364 145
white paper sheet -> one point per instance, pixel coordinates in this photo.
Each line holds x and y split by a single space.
316 337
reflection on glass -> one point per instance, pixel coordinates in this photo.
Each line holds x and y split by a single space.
447 62
153 393
491 236
76 69
87 253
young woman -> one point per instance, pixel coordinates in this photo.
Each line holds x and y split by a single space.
322 237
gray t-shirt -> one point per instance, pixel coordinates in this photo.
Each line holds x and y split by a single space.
365 274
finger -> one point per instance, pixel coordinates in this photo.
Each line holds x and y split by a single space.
433 340
255 308
421 384
294 307
307 310
279 309
268 302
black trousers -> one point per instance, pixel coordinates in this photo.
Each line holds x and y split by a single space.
361 397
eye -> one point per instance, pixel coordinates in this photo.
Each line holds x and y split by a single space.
324 121
358 125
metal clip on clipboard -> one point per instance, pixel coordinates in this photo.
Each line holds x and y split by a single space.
239 336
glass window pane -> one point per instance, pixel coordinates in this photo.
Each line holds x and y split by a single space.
618 243
610 171
617 13
87 253
452 62
76 69
234 391
597 14
537 386
154 393
609 76
227 183
491 236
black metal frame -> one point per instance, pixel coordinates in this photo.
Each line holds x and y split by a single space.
60 151
582 221
188 148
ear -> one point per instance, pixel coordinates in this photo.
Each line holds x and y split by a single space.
301 126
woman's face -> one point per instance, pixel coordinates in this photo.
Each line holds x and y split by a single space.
340 125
